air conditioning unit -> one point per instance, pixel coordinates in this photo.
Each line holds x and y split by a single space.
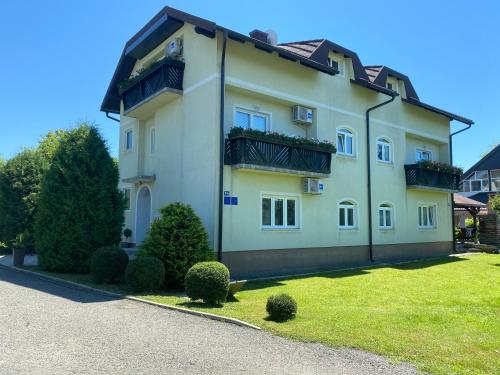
313 186
174 48
301 114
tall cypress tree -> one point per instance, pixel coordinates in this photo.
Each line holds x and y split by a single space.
80 206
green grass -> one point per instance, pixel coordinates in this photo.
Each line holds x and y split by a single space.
441 315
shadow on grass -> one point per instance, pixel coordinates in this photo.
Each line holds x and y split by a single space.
334 274
199 305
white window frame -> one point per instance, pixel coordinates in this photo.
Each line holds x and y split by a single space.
386 207
340 65
495 181
125 139
252 113
346 132
152 140
354 206
384 142
285 198
421 215
422 151
394 83
129 197
474 178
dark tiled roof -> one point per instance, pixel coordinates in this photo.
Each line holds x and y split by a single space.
310 53
304 48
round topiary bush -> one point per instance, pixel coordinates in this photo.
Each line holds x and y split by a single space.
108 264
281 307
145 273
208 281
179 239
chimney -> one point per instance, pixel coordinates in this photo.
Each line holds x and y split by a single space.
259 35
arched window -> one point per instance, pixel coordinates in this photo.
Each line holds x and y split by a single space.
347 215
384 150
345 142
385 216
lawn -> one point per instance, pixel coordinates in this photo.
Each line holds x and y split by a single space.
441 315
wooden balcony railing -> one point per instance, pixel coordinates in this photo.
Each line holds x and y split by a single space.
418 177
167 74
273 154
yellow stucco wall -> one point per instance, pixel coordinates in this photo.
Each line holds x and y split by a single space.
185 161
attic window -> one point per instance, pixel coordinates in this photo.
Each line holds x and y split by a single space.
389 85
337 65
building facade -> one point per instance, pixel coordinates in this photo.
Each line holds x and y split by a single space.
271 206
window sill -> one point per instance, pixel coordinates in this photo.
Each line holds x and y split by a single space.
353 229
388 163
386 230
265 229
426 229
346 156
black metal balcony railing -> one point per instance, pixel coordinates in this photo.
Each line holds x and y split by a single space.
168 74
276 154
417 176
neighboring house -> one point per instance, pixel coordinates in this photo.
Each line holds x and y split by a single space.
271 207
483 178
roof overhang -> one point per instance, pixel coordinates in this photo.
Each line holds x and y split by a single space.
442 112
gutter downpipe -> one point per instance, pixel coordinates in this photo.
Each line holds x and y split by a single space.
369 177
111 117
451 195
222 142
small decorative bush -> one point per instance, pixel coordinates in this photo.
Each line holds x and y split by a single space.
208 281
179 239
108 265
281 307
127 233
145 273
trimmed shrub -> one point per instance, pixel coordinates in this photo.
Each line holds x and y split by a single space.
179 239
208 281
80 208
281 307
108 265
145 273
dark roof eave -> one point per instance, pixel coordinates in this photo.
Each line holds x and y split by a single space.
442 112
373 87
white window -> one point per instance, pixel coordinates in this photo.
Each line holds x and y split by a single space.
279 211
423 155
427 216
345 142
478 181
495 179
337 65
152 140
126 195
385 216
384 152
129 140
347 215
251 120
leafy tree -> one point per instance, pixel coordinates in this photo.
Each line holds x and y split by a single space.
495 203
80 206
20 182
179 240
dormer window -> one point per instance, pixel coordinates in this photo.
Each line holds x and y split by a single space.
392 84
337 65
389 85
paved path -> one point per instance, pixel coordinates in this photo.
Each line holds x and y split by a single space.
49 328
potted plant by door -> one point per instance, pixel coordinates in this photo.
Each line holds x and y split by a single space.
19 248
127 233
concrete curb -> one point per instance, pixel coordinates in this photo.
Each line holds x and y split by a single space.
219 318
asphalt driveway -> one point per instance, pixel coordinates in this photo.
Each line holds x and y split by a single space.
49 328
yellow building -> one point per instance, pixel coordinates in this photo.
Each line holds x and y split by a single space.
204 115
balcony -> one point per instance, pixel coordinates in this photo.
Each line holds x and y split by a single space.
153 88
418 177
250 152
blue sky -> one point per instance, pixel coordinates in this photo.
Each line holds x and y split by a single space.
58 57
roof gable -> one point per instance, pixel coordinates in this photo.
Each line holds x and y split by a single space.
489 161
